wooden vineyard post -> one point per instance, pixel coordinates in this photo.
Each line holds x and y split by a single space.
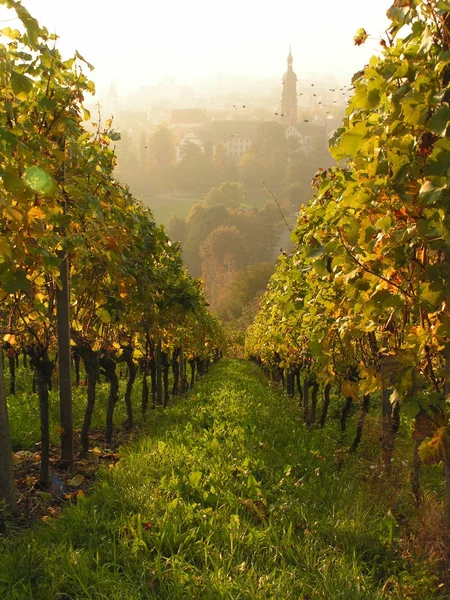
388 368
7 494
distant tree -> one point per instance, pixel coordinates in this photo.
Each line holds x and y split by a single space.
251 170
225 244
161 148
304 164
200 221
128 169
266 159
228 193
249 283
208 151
222 253
260 229
159 159
268 136
177 229
143 154
223 165
297 194
194 172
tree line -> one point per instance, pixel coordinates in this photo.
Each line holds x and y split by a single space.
85 272
285 165
361 306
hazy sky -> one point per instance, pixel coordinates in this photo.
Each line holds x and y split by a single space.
138 42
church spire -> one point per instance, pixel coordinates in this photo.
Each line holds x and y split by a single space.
290 60
289 95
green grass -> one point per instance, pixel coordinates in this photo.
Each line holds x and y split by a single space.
225 496
23 409
180 205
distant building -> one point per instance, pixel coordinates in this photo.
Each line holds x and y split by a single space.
307 134
235 136
192 126
188 118
288 115
190 137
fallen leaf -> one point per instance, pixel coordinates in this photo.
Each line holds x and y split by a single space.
76 481
24 454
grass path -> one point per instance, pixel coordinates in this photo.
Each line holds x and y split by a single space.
225 496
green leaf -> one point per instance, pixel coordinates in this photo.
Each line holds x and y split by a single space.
78 55
443 5
439 121
321 267
252 485
427 40
21 85
173 504
31 25
315 252
39 180
114 135
104 315
430 296
350 142
431 193
384 223
13 34
400 15
194 478
373 98
69 63
5 249
214 445
440 158
14 281
414 111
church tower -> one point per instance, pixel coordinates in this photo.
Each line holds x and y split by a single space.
289 95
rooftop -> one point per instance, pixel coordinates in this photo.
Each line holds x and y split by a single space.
185 116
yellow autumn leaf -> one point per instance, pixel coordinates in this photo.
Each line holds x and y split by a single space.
370 380
5 248
76 481
350 389
35 214
12 213
40 280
